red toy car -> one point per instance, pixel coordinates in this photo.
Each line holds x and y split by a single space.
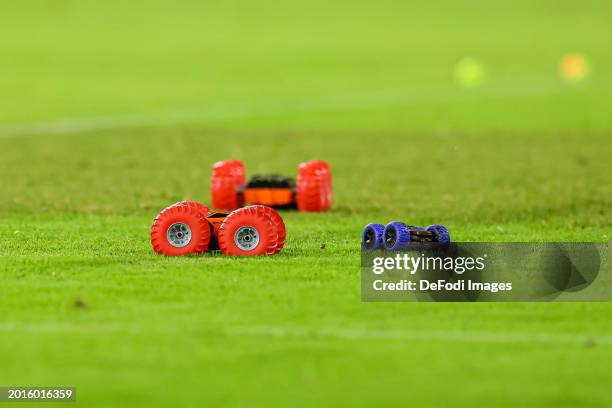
311 192
189 227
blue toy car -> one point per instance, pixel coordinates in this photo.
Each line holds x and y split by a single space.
397 236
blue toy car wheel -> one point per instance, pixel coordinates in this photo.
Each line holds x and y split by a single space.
372 237
396 236
440 233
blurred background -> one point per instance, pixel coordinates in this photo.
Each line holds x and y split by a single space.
307 65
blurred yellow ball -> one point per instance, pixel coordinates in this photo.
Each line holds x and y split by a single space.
574 67
470 73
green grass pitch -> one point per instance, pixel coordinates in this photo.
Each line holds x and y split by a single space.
112 110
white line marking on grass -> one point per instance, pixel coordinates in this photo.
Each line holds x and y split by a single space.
363 100
62 327
352 334
128 121
418 335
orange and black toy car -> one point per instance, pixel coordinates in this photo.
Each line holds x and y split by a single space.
312 191
189 227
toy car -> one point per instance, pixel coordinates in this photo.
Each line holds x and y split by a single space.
397 236
311 192
189 227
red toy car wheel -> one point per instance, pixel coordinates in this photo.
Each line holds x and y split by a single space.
325 167
180 230
314 186
227 176
279 224
202 209
250 230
